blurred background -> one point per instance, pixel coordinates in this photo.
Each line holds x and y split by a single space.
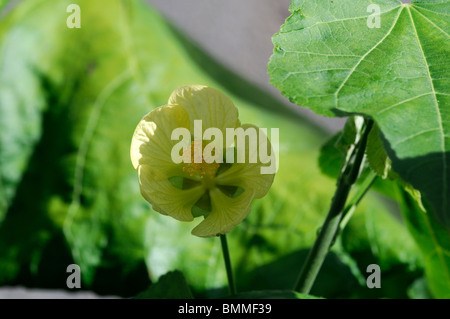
239 36
69 102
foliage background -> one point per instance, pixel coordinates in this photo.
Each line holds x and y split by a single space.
69 102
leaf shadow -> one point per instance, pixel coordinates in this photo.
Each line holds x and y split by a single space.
426 173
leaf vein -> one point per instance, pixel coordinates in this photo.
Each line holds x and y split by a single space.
324 54
333 21
432 23
86 139
315 71
422 8
365 55
402 102
441 128
415 135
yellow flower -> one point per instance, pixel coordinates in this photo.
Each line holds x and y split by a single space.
219 191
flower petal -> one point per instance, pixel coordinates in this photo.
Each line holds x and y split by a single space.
152 144
248 175
211 106
226 213
166 198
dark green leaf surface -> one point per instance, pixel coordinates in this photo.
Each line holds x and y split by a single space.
328 59
419 289
373 238
172 285
434 243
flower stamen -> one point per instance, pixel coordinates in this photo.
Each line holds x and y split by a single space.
195 163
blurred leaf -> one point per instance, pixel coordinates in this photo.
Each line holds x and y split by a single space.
434 242
67 180
335 278
22 101
272 294
374 238
172 285
419 289
3 3
330 158
102 79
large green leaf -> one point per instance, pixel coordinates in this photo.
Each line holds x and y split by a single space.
99 81
328 59
22 101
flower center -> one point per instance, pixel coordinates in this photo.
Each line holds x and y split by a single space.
196 164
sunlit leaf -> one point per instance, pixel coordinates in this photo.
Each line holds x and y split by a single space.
328 58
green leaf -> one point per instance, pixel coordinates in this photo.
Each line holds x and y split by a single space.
419 289
333 152
272 294
172 285
332 157
22 101
377 158
327 58
374 238
434 243
380 163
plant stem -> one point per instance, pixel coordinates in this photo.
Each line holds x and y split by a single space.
330 227
226 257
362 191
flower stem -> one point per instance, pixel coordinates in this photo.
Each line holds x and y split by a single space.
348 176
226 257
